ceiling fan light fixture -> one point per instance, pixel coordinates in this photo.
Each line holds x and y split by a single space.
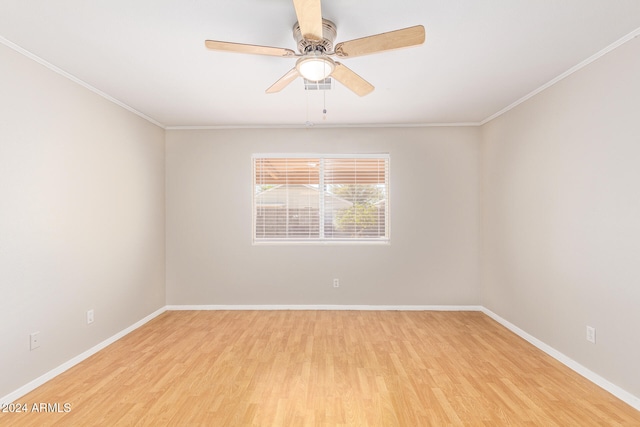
315 68
314 37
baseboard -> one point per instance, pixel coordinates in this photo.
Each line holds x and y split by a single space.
12 397
618 392
329 307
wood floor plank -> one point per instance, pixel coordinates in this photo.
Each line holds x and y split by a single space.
323 368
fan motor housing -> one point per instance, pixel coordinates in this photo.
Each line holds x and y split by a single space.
325 45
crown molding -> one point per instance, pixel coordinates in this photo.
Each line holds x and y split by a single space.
635 33
75 79
326 126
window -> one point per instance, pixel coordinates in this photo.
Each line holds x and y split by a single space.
321 198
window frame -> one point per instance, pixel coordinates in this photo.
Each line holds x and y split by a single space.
322 240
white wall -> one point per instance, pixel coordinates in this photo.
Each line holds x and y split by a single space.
81 218
561 216
432 258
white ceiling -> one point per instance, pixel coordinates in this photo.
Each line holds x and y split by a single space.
479 57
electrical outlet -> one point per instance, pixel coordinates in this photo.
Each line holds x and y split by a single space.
591 334
336 283
34 340
90 317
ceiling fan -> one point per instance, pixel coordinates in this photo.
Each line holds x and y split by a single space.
315 36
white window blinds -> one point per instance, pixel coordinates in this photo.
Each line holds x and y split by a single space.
321 198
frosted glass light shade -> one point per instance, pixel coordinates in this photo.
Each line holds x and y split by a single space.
315 68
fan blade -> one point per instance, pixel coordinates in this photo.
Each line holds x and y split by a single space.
309 13
351 80
284 81
379 43
248 48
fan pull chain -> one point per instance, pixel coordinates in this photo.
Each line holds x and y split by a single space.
324 105
307 123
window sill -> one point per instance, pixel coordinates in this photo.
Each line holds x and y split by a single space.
322 243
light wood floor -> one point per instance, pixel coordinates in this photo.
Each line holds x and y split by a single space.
323 368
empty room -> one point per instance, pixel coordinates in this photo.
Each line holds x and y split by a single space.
320 213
